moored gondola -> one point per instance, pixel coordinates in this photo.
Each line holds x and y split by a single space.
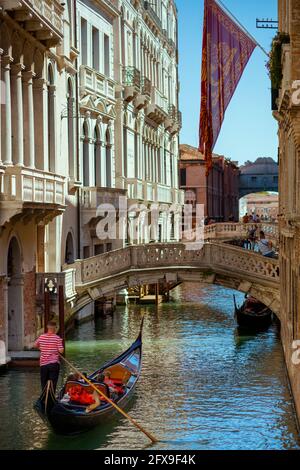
256 317
70 417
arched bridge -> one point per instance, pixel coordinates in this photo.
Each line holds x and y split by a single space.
216 262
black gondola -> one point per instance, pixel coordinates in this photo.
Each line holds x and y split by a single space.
71 418
260 318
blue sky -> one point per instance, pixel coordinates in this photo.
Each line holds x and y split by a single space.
249 131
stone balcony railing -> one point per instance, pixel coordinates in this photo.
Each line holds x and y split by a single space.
139 190
157 110
96 82
41 18
29 189
30 185
93 197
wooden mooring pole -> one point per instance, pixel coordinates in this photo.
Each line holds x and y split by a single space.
61 314
46 309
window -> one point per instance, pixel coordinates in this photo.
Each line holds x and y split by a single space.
106 56
70 104
95 49
98 249
84 41
85 156
86 252
183 177
108 159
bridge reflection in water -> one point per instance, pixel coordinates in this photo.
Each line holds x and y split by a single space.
202 386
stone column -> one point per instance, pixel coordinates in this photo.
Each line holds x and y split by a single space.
1 103
6 125
40 94
29 117
17 114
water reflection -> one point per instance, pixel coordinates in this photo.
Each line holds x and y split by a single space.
203 385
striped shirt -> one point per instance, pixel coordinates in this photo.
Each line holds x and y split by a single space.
49 345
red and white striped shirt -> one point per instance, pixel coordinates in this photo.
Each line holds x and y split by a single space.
49 345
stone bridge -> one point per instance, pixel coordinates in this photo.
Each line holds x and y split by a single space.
217 263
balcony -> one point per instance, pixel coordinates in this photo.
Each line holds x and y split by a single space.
143 98
173 122
26 193
147 191
157 110
93 197
131 83
43 19
92 81
135 190
152 16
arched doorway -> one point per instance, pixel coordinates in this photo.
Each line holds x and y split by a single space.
69 254
15 297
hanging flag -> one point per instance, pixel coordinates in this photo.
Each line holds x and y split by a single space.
226 51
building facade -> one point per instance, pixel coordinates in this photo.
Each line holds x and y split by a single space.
264 205
89 118
288 117
218 191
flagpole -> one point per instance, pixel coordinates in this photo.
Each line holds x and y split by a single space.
221 4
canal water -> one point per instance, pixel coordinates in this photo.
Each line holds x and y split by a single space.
203 386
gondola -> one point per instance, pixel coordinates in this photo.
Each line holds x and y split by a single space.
72 418
256 319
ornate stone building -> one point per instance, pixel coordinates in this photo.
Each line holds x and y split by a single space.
288 117
89 116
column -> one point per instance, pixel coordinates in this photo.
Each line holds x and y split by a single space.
6 124
1 104
29 117
17 114
40 116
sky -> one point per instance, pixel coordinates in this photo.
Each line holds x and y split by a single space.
249 130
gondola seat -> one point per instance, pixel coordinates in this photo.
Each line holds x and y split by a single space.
119 374
88 389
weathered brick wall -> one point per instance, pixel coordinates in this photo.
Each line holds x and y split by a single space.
30 321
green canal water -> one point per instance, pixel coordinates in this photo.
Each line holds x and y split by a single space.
203 386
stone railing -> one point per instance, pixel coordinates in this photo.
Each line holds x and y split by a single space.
93 197
41 16
30 185
96 82
229 230
135 188
50 282
213 257
159 100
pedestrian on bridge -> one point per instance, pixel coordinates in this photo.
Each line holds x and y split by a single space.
265 246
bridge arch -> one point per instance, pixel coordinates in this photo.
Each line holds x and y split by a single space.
215 263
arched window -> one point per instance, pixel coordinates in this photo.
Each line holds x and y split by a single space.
51 120
85 156
69 254
70 105
108 158
97 157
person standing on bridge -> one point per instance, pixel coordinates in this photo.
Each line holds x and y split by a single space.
265 246
51 346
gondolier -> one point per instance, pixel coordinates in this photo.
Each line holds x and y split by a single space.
51 346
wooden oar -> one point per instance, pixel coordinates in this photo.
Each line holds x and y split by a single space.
133 421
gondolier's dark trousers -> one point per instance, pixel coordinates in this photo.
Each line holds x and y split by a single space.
49 372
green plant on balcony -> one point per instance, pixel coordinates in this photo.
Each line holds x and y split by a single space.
274 65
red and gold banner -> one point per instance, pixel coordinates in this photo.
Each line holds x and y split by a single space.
226 51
